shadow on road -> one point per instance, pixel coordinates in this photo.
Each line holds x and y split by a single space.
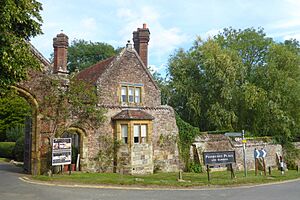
8 167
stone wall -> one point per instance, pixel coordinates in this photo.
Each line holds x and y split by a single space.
127 69
219 142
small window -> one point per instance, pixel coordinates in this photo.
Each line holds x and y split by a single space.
124 132
136 134
137 95
124 94
130 94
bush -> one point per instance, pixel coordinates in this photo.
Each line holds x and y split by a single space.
14 133
19 149
291 155
7 149
195 167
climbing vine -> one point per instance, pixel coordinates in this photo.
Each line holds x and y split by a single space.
187 134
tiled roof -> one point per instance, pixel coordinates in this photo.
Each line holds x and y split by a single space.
133 115
92 73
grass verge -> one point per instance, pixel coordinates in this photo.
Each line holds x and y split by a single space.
170 179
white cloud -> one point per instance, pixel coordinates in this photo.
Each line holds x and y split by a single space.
88 24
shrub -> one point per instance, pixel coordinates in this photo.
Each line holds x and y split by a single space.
291 155
19 149
14 133
195 167
6 149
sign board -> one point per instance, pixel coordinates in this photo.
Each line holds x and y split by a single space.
219 157
233 134
260 153
61 151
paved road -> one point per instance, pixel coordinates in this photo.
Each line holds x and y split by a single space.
12 188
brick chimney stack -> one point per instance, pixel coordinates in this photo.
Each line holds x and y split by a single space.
141 38
60 45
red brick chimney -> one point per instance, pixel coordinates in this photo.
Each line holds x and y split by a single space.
141 38
60 44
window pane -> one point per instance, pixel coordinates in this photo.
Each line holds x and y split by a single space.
143 130
130 94
124 94
136 133
124 133
137 95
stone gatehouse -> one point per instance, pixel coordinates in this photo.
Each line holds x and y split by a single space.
146 130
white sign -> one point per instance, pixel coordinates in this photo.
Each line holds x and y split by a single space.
61 151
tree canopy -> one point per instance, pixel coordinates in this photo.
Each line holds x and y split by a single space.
240 79
82 54
13 110
19 21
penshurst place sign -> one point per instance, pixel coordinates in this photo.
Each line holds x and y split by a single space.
219 157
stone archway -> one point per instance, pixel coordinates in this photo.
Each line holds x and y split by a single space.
83 144
35 161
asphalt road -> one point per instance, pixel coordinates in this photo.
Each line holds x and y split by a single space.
12 188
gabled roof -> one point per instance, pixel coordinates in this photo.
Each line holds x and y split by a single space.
92 73
132 115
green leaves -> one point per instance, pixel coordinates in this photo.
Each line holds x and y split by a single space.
240 79
19 20
82 54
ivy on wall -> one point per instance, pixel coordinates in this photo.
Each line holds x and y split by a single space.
187 134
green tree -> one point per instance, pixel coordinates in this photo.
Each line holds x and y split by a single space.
240 79
19 21
13 111
82 54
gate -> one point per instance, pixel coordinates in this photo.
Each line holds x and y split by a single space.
27 145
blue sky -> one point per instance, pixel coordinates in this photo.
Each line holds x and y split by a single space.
172 23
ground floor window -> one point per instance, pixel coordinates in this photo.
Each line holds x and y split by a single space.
139 133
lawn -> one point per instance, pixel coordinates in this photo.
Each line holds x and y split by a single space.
170 179
4 160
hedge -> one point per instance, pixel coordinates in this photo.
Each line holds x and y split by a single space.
7 149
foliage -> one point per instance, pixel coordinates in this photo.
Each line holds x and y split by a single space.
74 99
187 134
195 167
82 54
13 111
291 155
14 133
19 149
108 147
7 149
19 21
240 79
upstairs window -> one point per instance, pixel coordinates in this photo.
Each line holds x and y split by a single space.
124 94
131 94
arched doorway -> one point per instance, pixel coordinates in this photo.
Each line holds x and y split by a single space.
32 137
79 144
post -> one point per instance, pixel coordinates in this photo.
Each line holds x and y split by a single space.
180 175
270 171
297 168
256 166
264 166
208 176
244 153
232 172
